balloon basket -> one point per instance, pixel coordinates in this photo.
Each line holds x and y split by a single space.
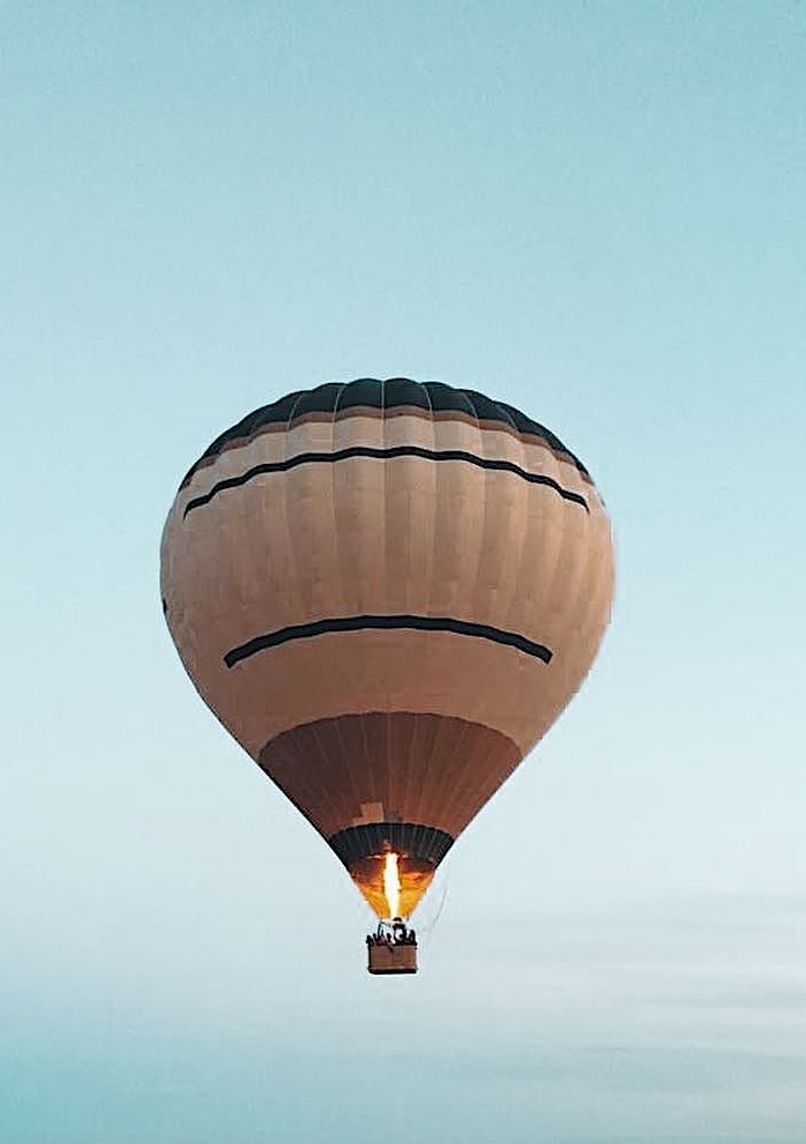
392 949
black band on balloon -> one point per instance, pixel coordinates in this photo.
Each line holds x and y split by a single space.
408 839
387 623
367 451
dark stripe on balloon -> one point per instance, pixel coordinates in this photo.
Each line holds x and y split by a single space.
384 455
386 623
333 399
426 843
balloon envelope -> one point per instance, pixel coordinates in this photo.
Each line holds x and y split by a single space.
387 592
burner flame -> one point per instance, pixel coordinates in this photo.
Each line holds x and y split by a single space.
391 885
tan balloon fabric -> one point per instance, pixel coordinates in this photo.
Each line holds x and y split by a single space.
347 583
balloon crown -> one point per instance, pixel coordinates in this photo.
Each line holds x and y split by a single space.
335 399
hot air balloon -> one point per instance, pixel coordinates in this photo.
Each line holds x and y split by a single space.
387 592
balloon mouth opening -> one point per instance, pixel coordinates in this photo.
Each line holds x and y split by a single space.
392 882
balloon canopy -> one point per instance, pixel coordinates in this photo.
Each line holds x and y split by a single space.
387 592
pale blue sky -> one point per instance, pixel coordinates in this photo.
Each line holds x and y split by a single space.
594 211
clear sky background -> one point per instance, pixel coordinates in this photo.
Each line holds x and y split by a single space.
595 211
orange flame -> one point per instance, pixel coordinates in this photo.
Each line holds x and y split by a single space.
391 885
410 876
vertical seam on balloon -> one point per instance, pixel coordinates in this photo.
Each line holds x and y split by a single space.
375 762
424 387
387 571
443 794
575 599
421 791
339 395
444 728
293 410
290 518
522 531
335 500
393 770
477 587
434 778
470 395
472 793
543 529
559 561
325 786
324 747
362 757
287 516
412 727
507 416
431 729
